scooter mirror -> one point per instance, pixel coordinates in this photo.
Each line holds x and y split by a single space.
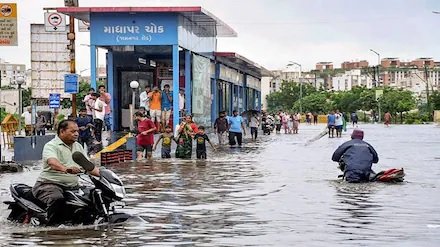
81 160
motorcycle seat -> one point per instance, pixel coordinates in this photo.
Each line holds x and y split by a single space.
25 191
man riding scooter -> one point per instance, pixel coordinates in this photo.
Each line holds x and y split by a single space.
59 170
356 158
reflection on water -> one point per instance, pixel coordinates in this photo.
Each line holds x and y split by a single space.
355 213
279 191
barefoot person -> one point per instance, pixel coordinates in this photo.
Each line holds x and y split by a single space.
387 118
236 125
145 137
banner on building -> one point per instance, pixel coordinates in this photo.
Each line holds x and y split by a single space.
201 94
8 24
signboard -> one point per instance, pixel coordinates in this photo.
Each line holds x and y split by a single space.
48 68
379 94
54 100
128 29
54 22
83 26
8 24
71 84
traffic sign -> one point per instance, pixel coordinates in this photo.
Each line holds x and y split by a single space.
54 100
8 24
83 26
71 84
54 22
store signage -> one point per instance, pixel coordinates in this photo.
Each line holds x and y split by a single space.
129 29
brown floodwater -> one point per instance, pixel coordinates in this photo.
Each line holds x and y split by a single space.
279 191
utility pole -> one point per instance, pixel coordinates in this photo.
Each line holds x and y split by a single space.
71 37
378 67
428 102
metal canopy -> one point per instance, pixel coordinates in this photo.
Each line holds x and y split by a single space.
197 15
233 59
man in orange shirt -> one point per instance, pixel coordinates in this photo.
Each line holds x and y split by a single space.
155 106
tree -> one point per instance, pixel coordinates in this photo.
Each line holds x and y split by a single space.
316 102
435 100
26 96
397 101
289 93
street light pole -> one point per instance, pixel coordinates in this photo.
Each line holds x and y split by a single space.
134 85
378 66
300 84
19 81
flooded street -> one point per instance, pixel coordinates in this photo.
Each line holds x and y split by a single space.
278 191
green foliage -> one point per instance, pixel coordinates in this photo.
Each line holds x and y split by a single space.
26 96
315 102
435 100
416 117
358 99
288 94
3 113
397 101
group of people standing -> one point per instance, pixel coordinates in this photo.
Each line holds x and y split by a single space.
158 105
95 117
187 131
289 122
335 121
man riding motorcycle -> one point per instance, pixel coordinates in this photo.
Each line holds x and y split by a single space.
356 157
59 170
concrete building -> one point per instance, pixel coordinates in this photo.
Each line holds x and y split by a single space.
170 45
413 75
9 73
321 66
354 65
349 79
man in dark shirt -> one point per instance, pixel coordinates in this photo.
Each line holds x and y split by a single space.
221 126
85 125
201 139
357 156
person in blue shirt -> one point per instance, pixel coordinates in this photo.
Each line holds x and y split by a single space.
331 121
167 102
236 125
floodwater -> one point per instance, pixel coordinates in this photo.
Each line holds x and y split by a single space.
279 191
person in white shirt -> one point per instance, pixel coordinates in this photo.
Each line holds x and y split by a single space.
99 115
338 123
182 102
254 124
27 115
144 100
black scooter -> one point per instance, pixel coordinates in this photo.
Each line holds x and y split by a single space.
87 205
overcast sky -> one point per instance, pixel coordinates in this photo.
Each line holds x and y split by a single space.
274 32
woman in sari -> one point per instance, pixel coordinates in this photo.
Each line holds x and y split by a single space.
187 130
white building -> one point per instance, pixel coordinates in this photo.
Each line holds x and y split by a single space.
350 79
10 72
412 79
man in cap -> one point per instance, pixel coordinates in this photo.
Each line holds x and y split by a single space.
356 158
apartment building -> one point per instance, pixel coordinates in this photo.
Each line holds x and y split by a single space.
349 79
9 73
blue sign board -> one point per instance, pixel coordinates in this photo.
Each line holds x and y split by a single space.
71 84
54 100
133 29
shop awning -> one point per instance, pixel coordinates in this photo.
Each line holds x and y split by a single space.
197 15
234 59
